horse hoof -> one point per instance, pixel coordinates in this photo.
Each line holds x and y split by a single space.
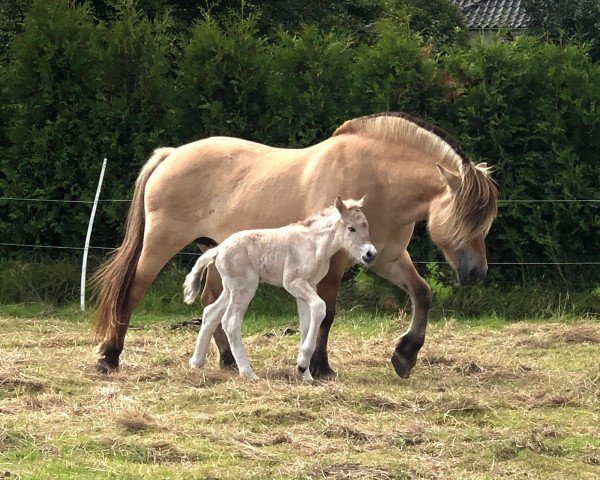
323 372
227 362
102 366
401 365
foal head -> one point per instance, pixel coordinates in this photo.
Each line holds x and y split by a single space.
461 217
354 230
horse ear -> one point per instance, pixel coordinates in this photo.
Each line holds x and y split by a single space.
339 204
361 202
451 179
482 166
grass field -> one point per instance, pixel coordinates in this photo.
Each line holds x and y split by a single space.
486 400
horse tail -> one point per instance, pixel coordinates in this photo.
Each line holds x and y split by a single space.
115 276
193 280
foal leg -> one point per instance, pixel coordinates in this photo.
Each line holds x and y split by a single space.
304 318
304 292
402 272
212 289
210 321
241 293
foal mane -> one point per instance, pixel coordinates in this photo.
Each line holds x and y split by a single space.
474 204
307 222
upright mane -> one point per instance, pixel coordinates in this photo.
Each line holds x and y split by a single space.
410 129
307 222
474 204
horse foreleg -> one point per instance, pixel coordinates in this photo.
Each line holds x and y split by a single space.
327 289
212 289
402 273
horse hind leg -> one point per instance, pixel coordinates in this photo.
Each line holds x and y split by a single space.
151 261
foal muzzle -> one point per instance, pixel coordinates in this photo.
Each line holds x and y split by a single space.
368 253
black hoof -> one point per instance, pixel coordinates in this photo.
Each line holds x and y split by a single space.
227 361
102 366
401 365
322 372
405 355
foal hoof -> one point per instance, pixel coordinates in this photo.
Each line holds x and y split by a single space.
305 374
195 364
401 365
249 376
102 366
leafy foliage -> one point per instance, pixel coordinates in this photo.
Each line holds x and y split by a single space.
558 19
74 90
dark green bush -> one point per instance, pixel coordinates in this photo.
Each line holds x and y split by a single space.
530 109
308 72
74 90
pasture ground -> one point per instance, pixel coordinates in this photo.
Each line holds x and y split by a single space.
487 399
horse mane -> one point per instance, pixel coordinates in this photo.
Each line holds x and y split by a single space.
411 129
474 205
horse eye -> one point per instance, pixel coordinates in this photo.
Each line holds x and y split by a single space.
352 229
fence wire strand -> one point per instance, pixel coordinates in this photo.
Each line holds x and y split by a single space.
420 262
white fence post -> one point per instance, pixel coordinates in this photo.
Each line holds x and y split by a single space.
86 247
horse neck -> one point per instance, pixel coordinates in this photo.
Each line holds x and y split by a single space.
413 184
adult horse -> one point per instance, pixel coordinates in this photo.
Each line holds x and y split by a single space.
209 189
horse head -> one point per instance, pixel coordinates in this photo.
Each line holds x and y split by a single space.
460 218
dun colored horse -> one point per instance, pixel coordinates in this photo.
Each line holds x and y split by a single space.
295 257
212 188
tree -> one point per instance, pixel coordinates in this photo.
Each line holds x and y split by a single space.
557 19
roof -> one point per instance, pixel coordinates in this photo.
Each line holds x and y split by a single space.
493 14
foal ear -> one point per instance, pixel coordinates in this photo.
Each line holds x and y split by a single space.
361 202
340 205
450 178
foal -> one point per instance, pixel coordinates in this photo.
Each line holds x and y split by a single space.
295 257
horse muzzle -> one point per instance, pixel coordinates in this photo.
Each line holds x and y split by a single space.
469 273
368 254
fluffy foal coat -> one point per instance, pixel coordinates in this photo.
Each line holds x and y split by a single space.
295 257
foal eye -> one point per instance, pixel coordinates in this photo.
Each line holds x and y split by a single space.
351 229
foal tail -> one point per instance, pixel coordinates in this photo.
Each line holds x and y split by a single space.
115 277
193 280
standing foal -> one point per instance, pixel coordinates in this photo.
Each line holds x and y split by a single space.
295 257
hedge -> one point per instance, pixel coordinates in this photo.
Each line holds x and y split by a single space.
75 90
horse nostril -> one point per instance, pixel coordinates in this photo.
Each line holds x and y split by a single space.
472 274
369 254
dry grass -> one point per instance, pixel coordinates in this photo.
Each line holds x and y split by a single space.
515 402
